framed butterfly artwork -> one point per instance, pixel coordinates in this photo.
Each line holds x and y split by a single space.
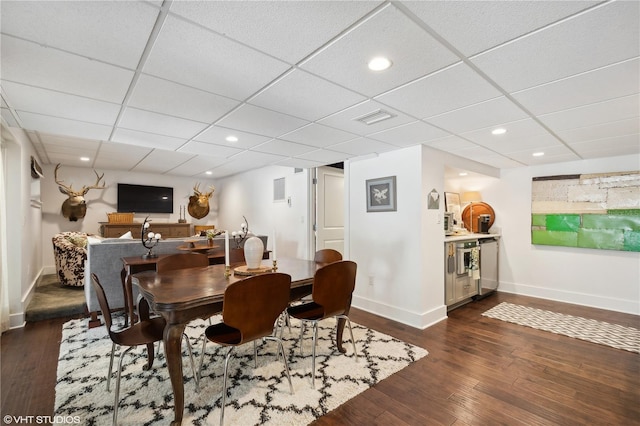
381 194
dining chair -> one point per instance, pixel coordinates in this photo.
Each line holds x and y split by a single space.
325 256
250 309
182 261
331 292
146 331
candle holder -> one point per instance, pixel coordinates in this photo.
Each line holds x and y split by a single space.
240 236
275 265
149 239
227 271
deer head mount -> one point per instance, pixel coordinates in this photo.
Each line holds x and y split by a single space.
199 202
75 207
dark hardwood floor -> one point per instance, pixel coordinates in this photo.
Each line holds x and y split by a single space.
479 371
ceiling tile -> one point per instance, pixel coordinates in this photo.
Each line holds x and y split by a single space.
474 26
552 154
63 126
151 122
362 146
498 161
453 144
387 33
218 135
485 114
291 95
324 156
148 140
209 149
31 64
592 114
280 147
446 90
159 161
191 55
520 135
300 163
606 83
593 39
119 156
318 135
346 120
110 31
151 93
409 134
609 147
196 167
319 21
48 102
261 121
607 130
8 117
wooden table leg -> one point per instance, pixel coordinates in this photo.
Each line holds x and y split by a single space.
173 349
340 329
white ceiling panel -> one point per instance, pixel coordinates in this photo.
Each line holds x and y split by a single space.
218 135
110 31
49 102
318 135
284 148
148 140
485 114
291 94
409 134
472 27
151 122
606 83
199 58
152 93
593 114
444 91
601 36
209 149
388 33
319 21
363 146
261 121
347 119
167 82
32 64
63 126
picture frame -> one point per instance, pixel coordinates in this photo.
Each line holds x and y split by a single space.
381 194
452 205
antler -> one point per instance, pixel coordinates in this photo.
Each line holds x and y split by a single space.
195 189
61 186
86 189
210 193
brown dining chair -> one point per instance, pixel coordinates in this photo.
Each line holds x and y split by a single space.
250 309
182 261
325 256
331 292
146 331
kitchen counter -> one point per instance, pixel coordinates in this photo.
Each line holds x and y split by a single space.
469 236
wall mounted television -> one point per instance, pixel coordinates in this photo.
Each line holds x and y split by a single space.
144 199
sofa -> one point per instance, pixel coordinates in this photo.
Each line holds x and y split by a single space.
70 253
104 258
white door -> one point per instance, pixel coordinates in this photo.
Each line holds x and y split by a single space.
330 208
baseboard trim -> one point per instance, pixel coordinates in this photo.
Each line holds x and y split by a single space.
412 319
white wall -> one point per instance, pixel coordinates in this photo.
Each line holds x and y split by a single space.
250 194
605 279
103 201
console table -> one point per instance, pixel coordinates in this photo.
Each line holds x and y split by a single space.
167 230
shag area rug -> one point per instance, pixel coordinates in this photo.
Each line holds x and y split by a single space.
256 396
603 333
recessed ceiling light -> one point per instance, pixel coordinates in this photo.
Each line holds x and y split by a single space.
538 154
231 138
379 64
499 131
84 158
209 172
463 174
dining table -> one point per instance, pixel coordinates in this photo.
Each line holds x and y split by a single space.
183 295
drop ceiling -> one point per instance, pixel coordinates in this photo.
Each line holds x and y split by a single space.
158 86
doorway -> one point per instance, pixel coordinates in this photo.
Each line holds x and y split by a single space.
328 209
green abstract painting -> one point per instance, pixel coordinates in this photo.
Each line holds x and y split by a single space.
598 211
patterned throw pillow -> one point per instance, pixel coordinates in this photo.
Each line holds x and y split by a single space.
78 241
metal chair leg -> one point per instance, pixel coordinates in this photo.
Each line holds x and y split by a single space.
193 366
117 395
224 385
113 349
313 356
204 345
284 359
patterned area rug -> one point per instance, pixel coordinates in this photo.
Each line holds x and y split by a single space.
257 395
603 333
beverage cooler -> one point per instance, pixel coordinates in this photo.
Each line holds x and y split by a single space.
489 281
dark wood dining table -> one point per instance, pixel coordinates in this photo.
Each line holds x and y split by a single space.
183 295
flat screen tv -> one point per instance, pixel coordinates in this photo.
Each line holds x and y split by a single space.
144 199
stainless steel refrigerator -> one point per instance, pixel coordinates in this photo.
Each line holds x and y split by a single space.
489 281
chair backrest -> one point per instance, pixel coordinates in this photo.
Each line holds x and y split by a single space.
325 256
102 300
182 261
252 305
333 285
